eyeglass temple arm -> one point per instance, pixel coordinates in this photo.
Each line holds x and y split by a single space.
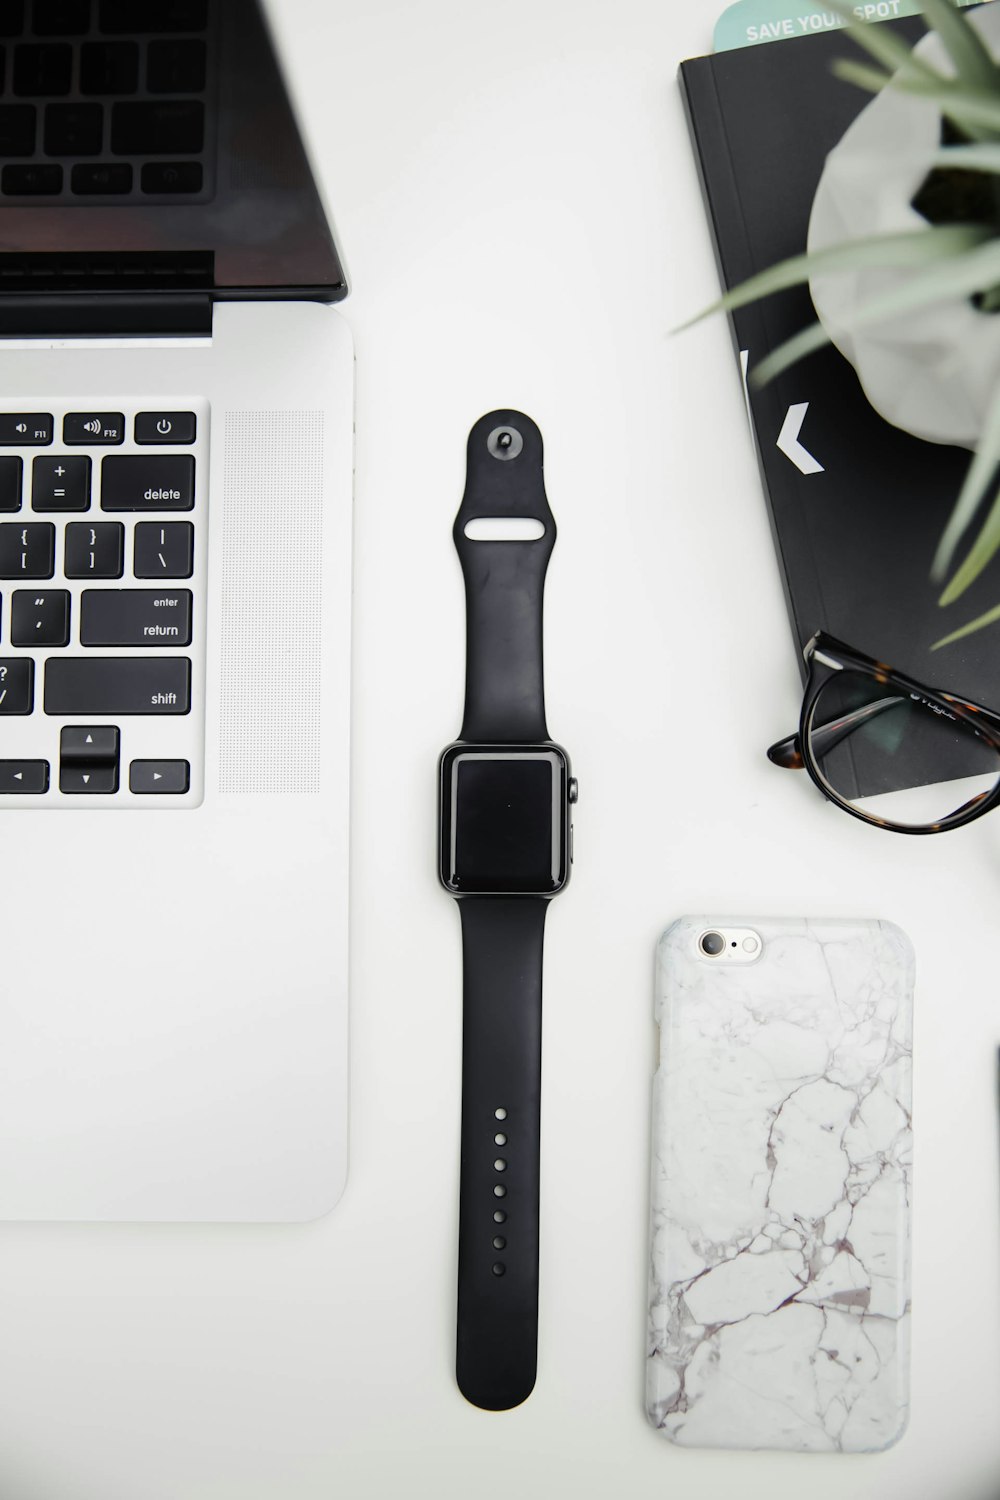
788 752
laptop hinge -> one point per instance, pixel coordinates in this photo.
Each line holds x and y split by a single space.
106 314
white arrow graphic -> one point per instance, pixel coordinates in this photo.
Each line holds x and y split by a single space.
789 443
85 780
157 775
18 775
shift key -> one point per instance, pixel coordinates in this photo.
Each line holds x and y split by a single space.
117 685
147 481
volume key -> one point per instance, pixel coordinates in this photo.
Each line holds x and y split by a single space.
30 429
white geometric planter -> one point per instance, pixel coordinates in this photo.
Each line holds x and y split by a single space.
933 372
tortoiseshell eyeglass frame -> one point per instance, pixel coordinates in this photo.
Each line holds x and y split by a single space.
825 657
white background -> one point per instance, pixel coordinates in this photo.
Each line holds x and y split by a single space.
514 189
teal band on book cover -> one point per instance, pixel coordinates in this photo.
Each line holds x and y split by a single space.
750 22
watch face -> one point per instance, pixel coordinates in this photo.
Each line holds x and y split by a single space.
504 819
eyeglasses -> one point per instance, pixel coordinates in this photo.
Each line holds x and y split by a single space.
889 750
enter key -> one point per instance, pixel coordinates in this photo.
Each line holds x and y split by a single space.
135 617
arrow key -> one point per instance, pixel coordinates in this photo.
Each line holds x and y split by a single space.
89 742
24 778
98 781
159 777
88 759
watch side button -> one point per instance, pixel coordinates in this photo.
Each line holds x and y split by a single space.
574 789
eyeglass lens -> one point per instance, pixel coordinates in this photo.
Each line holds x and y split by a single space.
896 756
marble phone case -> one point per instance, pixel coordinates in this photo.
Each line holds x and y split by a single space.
780 1236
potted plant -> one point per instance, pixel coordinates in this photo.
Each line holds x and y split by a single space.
903 257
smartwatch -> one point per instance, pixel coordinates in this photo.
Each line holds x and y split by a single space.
505 850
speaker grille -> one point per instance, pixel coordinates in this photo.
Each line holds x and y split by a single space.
271 602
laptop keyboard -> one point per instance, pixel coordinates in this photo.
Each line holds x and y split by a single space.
105 100
102 607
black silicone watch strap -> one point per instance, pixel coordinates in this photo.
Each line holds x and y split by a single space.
504 582
501 1097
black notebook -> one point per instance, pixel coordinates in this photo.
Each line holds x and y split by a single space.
856 541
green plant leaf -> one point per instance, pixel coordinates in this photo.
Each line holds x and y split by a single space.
979 158
989 618
973 63
913 248
961 276
881 43
982 551
862 75
971 109
981 471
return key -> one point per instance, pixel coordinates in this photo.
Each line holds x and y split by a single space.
135 617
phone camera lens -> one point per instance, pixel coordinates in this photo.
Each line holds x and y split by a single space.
712 943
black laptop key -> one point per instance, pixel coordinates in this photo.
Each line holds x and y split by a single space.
153 481
82 743
11 17
74 130
25 429
60 17
24 777
159 777
39 617
89 758
93 428
35 181
172 177
167 127
17 129
164 549
99 179
60 483
94 781
176 67
42 68
11 470
127 17
27 551
109 68
125 685
17 684
96 551
135 617
170 427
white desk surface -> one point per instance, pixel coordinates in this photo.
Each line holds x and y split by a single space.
515 192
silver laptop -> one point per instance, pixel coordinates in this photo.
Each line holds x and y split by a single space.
176 440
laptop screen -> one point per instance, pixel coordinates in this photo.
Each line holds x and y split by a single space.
150 145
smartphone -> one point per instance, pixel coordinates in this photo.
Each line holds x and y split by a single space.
779 1292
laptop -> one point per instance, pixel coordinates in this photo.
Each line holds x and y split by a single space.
176 452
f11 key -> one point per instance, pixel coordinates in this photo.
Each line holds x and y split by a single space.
25 429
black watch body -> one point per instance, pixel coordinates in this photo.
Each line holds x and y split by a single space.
506 848
505 819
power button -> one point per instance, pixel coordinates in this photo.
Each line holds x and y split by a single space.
175 427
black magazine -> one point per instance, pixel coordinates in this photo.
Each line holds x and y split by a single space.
855 542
